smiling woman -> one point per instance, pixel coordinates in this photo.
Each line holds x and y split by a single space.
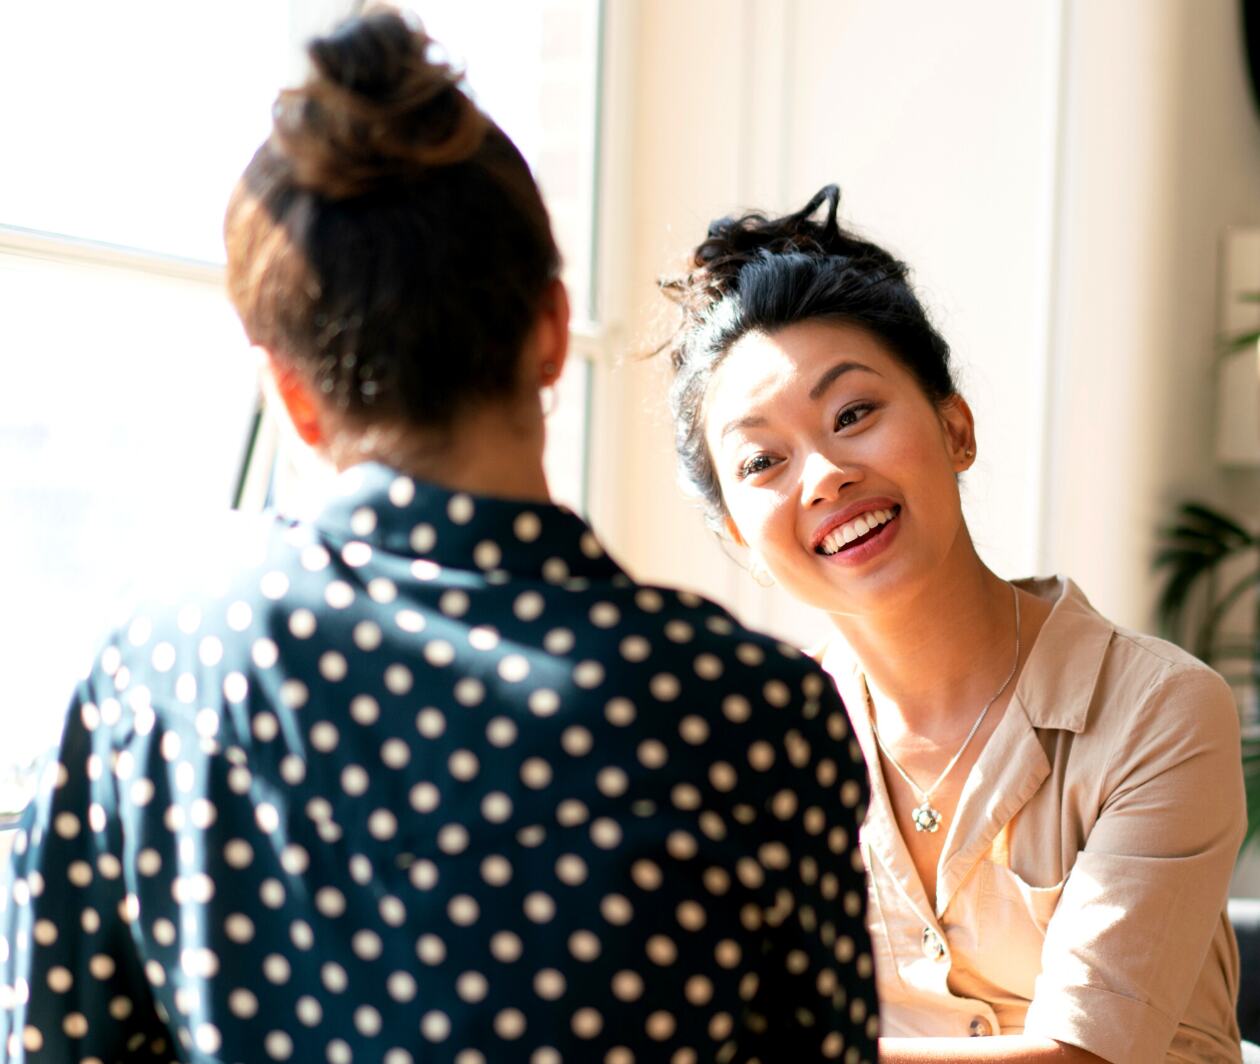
1046 787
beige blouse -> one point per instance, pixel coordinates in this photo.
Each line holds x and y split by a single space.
1081 892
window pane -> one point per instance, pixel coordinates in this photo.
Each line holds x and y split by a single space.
137 116
533 65
125 405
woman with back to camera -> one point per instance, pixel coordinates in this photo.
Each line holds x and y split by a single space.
429 778
1056 802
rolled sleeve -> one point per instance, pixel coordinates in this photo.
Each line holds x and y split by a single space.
1128 939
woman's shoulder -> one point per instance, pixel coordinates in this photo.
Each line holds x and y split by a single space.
1147 675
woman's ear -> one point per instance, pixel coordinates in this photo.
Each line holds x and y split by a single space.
551 334
295 394
960 431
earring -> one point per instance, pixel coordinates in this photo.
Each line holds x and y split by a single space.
547 398
970 453
761 576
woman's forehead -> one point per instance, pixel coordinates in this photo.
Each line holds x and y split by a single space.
796 362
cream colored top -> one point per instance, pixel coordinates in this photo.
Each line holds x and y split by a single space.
1082 889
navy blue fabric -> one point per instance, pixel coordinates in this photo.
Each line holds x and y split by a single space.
431 779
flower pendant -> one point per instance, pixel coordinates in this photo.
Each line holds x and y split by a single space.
925 817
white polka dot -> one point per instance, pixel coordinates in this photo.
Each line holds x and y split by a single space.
333 666
577 741
463 765
364 709
367 635
496 807
463 910
424 569
302 623
664 686
528 605
402 490
587 1023
777 693
382 590
652 753
483 637
513 668
366 945
535 773
367 1021
354 780
424 797
555 570
470 691
430 949
501 732
398 679
315 558
588 674
334 977
460 509
605 833
392 911
274 585
612 781
604 615
452 839
527 526
472 987
539 907
454 603
571 870
243 1004
549 984
506 947
509 1024
382 825
276 969
401 987
309 1011
558 641
435 1026
294 694
279 1046
627 985
439 653
210 650
487 555
324 736
339 595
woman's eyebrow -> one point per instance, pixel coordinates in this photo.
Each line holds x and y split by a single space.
837 371
741 423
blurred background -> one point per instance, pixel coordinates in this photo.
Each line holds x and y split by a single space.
1073 182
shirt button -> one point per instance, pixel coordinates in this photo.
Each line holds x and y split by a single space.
979 1027
933 945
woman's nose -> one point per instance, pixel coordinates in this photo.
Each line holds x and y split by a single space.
824 477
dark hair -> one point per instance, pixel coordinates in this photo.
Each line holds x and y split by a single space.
388 238
759 274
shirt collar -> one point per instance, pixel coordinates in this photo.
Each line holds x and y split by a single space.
1057 684
388 510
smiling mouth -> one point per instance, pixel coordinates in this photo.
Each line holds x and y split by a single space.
855 532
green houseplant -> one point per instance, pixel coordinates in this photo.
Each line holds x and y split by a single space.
1199 556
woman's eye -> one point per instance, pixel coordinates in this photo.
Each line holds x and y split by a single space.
758 463
851 415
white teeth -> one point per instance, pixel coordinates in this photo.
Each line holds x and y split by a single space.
855 529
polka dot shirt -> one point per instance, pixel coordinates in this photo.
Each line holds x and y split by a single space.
431 779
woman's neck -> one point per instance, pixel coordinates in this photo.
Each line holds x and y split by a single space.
941 650
495 451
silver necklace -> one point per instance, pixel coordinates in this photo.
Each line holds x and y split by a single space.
925 816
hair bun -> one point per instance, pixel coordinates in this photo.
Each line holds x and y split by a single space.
733 242
375 109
